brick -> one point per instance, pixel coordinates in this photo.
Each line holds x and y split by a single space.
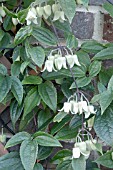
83 25
97 2
108 28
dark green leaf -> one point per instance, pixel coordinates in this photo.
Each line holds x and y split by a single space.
28 153
44 152
79 163
17 139
17 89
104 54
48 94
44 36
43 116
15 68
32 80
3 69
31 101
58 118
103 126
94 68
71 41
38 167
22 34
81 82
65 165
45 139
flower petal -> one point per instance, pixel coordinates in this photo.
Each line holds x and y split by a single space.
47 10
76 152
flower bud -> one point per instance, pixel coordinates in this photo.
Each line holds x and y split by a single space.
15 21
56 15
2 12
3 138
76 152
40 11
47 10
55 7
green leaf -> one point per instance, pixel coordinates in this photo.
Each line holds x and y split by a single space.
22 15
45 139
103 126
105 100
15 112
7 24
62 154
83 58
22 34
92 46
2 33
38 167
75 121
5 86
69 8
79 163
105 160
37 55
43 117
11 161
44 152
95 98
81 82
65 27
32 80
9 13
31 101
60 125
28 153
48 94
15 68
44 36
17 139
109 8
65 89
3 69
110 84
23 66
65 165
58 118
17 89
104 54
66 133
71 41
94 68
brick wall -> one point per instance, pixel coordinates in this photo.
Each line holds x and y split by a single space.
93 23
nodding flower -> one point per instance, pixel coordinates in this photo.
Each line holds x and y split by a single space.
31 17
79 106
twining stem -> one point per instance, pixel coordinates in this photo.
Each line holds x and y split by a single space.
61 47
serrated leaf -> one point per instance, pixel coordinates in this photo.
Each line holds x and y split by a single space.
105 160
103 126
48 94
17 89
79 163
11 161
104 54
69 8
105 100
44 152
44 36
15 68
31 101
94 68
3 69
28 153
32 80
58 118
22 34
5 86
17 139
45 139
15 112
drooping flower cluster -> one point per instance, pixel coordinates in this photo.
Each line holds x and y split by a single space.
56 62
45 11
2 14
83 148
75 105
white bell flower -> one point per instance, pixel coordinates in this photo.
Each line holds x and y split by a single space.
40 11
59 15
76 152
67 107
33 10
91 144
60 62
72 59
82 105
2 12
51 57
15 21
31 17
55 7
1 19
89 111
47 10
49 66
74 107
